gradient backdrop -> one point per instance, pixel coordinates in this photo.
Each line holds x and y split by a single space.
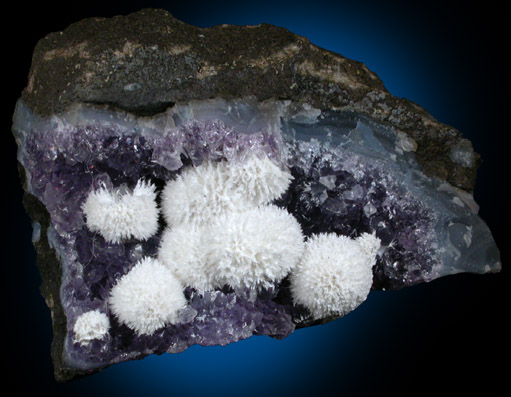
448 335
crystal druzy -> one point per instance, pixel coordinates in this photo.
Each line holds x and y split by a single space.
360 164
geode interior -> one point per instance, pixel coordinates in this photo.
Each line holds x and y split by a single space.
110 102
351 175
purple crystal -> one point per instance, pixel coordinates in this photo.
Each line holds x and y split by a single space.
340 185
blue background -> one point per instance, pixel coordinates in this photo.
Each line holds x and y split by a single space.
448 335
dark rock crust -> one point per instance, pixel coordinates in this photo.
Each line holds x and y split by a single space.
146 61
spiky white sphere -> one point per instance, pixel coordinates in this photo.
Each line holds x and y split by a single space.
253 249
118 216
91 325
369 244
148 297
200 194
260 179
184 254
334 276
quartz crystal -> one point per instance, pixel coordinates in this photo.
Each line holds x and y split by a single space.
353 173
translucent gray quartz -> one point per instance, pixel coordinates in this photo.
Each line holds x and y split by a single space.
356 176
351 176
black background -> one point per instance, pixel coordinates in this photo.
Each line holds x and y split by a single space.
448 335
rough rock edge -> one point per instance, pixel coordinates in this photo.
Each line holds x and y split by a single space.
147 61
50 268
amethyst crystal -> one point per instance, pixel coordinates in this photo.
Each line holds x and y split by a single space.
354 171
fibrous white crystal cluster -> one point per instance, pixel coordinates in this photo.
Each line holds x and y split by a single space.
335 274
120 215
223 230
148 297
254 249
249 249
91 325
201 194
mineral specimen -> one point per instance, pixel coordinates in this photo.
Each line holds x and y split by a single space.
285 197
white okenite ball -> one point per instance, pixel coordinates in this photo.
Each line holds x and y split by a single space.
334 276
148 297
201 194
118 216
184 254
91 325
369 244
253 249
198 195
259 179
